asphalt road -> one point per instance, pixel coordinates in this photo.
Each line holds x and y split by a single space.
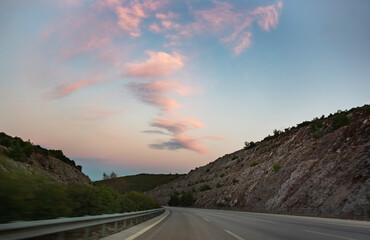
191 224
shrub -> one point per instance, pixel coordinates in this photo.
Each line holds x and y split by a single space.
185 199
340 120
220 205
234 157
219 185
316 126
235 181
227 167
277 132
276 167
253 164
205 187
222 175
207 170
249 145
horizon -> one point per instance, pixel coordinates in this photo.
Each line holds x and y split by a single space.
164 87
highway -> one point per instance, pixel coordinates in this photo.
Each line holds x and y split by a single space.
192 223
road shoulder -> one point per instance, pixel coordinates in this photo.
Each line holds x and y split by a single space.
137 230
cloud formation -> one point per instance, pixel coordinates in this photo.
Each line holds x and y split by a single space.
159 64
154 93
68 88
178 129
230 25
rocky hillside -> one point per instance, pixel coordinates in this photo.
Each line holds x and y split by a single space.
16 153
319 167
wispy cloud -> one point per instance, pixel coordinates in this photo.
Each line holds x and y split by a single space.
178 129
154 93
155 132
181 142
268 16
68 88
159 64
223 21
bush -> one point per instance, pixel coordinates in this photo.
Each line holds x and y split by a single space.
205 187
340 120
253 164
276 167
222 175
220 205
186 199
219 185
32 197
249 145
277 132
235 181
316 126
234 157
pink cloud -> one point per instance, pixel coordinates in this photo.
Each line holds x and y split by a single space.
153 93
176 126
68 88
154 28
268 17
90 44
218 18
130 18
131 14
159 64
231 25
180 140
245 42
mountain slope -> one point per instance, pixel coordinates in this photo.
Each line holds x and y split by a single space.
140 183
320 167
16 153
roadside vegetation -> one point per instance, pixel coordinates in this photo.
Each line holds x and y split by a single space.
28 196
185 199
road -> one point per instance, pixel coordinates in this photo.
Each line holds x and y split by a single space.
192 223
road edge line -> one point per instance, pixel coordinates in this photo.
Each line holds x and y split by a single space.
149 227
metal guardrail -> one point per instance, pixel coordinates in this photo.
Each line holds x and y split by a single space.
58 227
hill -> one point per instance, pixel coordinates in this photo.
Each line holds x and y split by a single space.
37 183
140 183
16 153
320 167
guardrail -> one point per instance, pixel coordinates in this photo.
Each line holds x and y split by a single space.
75 228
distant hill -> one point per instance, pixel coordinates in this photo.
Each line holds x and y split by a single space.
140 183
319 167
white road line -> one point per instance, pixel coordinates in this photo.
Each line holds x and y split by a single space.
206 219
234 235
146 229
327 234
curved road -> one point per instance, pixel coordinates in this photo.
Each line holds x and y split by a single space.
192 223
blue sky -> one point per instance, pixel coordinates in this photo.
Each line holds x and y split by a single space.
156 86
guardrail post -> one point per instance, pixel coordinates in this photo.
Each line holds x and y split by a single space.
115 227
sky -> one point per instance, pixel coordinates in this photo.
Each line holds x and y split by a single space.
165 86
